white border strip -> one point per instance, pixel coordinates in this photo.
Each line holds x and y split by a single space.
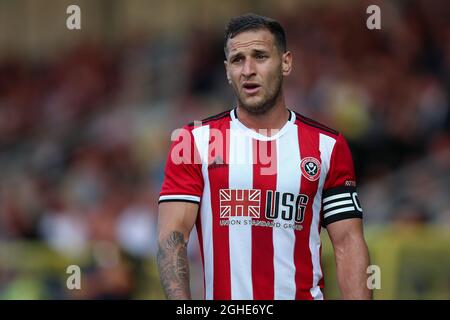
337 204
180 197
333 212
337 196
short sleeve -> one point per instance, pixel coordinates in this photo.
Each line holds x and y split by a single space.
183 180
340 198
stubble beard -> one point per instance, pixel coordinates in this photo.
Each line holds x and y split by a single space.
265 104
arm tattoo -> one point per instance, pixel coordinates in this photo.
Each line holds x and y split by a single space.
174 267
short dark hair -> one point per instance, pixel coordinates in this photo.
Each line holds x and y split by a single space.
251 21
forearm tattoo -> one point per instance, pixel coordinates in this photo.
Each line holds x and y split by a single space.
174 267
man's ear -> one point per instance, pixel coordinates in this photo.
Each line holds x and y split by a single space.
286 63
225 62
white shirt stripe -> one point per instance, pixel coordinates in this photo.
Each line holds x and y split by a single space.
201 137
326 145
288 180
240 236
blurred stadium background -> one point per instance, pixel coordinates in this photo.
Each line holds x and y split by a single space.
86 117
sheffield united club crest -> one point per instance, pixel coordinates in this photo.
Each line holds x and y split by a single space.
310 168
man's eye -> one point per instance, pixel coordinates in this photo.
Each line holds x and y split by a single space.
261 56
236 60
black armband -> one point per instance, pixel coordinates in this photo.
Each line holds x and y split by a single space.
340 203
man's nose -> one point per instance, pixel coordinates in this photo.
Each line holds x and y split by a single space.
248 69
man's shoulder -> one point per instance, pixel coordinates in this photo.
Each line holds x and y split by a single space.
315 125
222 116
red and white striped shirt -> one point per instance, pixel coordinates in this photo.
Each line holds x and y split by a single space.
262 201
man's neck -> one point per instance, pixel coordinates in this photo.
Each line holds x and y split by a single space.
270 122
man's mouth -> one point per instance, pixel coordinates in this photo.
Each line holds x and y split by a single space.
251 87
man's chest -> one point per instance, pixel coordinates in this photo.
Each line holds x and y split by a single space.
274 181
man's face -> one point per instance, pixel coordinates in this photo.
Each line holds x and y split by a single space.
255 67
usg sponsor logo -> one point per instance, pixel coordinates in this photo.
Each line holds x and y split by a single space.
278 206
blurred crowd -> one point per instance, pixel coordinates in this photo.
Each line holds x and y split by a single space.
84 134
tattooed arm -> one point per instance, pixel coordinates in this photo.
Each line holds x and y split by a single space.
175 222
